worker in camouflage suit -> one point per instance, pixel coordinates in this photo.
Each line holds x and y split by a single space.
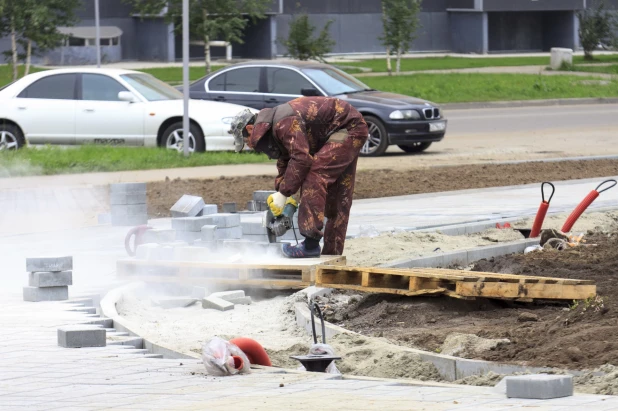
316 141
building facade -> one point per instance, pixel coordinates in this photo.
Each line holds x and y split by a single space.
458 26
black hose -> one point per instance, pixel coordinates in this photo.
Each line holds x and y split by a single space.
314 306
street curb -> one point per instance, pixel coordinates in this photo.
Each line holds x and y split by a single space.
529 103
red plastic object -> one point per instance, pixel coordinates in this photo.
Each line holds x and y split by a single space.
253 350
238 362
138 232
506 225
579 210
540 215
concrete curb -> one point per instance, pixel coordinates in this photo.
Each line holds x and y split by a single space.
463 257
529 103
108 309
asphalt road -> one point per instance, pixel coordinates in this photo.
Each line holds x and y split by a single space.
482 135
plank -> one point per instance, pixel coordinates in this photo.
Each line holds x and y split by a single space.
525 290
409 293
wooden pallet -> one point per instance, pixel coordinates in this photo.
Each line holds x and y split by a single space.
285 274
454 283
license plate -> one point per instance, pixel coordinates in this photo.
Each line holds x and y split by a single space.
437 126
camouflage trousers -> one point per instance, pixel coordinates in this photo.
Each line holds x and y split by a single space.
329 187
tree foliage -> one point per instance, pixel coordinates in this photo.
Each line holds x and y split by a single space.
32 26
400 19
208 19
596 26
301 43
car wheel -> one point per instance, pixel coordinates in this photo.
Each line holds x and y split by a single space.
377 143
173 139
416 147
11 137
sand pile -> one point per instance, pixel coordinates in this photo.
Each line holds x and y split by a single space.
589 221
469 345
372 251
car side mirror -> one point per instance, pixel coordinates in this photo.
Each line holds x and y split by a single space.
309 92
127 96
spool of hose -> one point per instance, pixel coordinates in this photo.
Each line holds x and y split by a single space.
542 212
253 350
581 207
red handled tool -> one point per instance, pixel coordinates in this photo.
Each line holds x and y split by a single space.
579 210
540 215
138 233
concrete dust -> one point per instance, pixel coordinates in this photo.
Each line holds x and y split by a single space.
372 251
469 345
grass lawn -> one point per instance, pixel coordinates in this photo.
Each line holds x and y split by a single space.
6 73
173 75
613 69
89 158
457 88
446 63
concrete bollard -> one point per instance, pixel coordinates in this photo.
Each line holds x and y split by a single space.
560 56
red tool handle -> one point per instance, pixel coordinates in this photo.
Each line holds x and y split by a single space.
579 210
138 233
538 221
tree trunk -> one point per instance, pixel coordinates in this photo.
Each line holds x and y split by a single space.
389 67
28 58
14 50
398 60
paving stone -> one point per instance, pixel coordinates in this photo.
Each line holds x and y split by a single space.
49 264
217 304
539 386
190 253
193 224
127 198
229 207
127 188
253 227
209 232
228 233
35 294
148 251
262 195
129 220
50 279
188 206
119 210
209 209
222 220
188 236
227 295
78 336
251 206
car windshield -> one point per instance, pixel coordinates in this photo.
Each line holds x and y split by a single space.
151 88
335 81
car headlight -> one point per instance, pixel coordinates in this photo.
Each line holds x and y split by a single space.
405 115
437 126
227 120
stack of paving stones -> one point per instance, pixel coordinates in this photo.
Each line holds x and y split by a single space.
220 227
48 279
128 204
259 200
189 215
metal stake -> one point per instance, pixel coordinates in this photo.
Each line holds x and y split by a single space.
185 76
97 30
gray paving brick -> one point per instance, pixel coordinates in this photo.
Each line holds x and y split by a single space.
223 220
193 224
539 386
209 209
253 227
49 264
127 188
188 206
129 220
51 279
78 336
120 210
188 236
262 195
209 232
217 304
228 233
227 295
127 198
35 294
159 235
229 208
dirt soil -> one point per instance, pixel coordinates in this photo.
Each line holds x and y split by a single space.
383 183
568 335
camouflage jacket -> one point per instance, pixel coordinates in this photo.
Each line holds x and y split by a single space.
294 132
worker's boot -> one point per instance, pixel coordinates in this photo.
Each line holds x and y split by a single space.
302 250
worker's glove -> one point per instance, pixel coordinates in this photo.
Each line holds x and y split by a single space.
291 200
276 202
